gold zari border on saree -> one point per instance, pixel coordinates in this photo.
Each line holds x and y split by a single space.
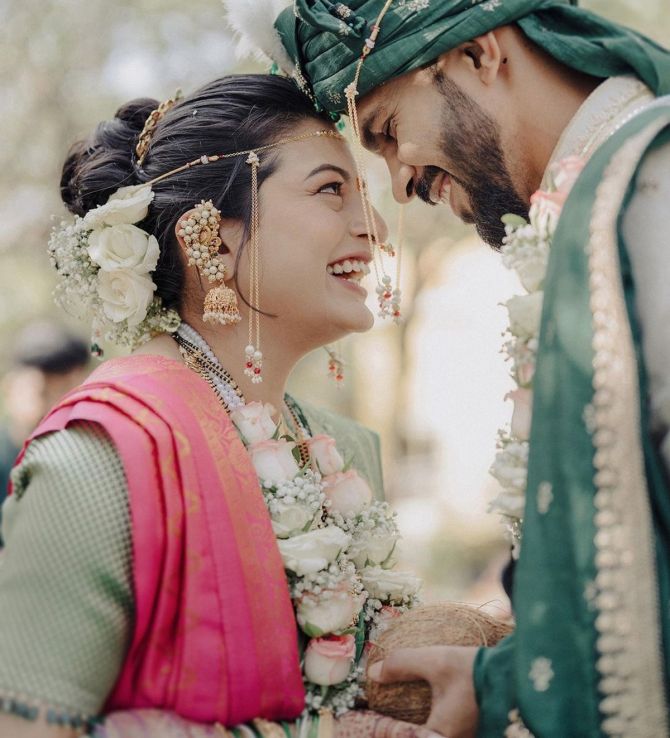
629 635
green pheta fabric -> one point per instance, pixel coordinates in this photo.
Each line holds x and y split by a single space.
591 652
325 40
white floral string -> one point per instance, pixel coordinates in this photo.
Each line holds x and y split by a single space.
525 250
337 545
104 262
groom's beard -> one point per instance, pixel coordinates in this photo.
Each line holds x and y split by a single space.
471 141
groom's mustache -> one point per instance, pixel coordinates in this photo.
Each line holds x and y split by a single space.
424 184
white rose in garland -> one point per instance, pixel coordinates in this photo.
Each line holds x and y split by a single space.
311 552
372 548
123 246
274 461
331 611
125 295
525 312
391 586
290 518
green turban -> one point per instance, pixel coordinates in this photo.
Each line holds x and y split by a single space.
325 38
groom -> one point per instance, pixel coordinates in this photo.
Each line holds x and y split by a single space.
476 103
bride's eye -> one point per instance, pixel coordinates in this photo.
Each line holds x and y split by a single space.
332 188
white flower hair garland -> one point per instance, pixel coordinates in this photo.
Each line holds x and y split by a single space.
525 250
104 262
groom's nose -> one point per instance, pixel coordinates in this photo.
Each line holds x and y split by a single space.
402 178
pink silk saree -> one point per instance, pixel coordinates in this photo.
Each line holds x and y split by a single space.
215 637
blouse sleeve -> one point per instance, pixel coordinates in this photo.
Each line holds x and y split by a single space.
66 603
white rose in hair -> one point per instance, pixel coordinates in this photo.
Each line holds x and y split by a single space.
389 586
348 492
123 247
125 295
330 612
311 552
126 205
524 314
323 450
372 548
274 462
254 421
290 518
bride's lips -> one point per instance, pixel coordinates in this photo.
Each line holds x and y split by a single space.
349 271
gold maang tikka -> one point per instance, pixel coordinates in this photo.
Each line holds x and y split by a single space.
388 296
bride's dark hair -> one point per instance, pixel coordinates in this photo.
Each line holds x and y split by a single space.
232 113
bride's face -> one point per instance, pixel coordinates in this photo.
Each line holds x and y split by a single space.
311 221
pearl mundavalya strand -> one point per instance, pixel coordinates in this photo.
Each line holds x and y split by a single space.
338 558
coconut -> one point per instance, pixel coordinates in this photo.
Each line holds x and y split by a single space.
443 624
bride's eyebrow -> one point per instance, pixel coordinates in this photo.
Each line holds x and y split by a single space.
330 167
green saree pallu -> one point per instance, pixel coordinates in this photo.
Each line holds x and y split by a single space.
590 654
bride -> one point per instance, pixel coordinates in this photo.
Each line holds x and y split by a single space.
173 517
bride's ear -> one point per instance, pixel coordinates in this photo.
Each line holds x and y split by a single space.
190 231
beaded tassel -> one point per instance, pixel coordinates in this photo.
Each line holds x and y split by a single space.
253 366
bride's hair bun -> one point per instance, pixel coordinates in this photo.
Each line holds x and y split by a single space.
97 166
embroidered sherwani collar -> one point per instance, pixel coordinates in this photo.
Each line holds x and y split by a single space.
603 112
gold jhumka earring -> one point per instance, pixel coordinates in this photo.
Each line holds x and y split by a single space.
388 296
200 233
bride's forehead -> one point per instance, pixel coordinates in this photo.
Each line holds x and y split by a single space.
304 156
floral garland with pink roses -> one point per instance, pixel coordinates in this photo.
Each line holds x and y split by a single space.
337 545
525 250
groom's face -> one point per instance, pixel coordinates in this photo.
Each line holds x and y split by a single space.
443 146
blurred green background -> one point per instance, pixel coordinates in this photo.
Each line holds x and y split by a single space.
433 387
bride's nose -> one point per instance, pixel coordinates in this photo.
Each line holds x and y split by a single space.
359 226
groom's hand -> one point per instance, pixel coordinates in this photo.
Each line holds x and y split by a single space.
448 670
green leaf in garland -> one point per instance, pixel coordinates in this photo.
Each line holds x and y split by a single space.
511 219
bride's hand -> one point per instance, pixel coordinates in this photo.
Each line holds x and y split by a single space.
367 724
448 670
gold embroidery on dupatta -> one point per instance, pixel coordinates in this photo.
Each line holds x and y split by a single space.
629 635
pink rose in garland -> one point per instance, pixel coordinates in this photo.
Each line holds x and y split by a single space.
324 452
328 660
254 421
349 494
